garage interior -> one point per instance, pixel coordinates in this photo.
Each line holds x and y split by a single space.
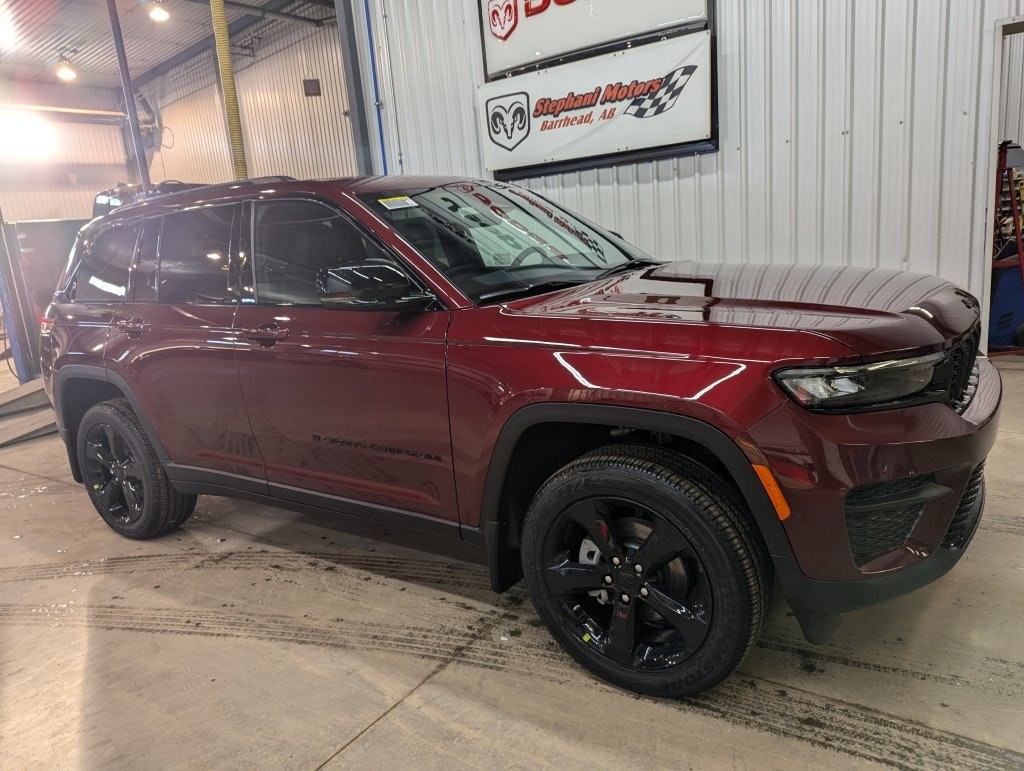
855 134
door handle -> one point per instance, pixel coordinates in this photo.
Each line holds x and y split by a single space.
133 326
265 334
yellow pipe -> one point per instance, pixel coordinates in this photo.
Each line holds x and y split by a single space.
227 82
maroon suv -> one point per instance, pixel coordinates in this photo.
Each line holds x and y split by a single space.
646 442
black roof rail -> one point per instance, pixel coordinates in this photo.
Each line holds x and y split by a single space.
241 182
139 197
272 178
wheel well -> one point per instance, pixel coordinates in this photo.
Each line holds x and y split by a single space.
76 397
546 447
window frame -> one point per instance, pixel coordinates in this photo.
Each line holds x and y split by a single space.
147 222
248 242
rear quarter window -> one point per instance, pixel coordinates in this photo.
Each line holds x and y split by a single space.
102 274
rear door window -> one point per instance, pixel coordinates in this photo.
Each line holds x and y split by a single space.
194 256
103 273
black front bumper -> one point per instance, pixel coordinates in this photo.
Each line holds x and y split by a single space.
817 604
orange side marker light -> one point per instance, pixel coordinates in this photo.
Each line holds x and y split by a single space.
774 492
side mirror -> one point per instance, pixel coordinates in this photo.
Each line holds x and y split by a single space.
371 285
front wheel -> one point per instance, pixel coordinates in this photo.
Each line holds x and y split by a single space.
645 569
125 479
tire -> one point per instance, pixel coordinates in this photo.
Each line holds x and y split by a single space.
125 480
675 626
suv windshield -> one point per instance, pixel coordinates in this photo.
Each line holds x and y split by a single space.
497 241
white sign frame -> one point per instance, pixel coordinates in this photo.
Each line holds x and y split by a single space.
652 101
519 35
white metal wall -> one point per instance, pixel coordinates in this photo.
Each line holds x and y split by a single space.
851 132
193 139
88 158
91 158
1013 89
285 131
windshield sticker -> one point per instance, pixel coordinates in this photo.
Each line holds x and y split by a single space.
397 202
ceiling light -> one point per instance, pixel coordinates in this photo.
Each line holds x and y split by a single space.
65 71
157 12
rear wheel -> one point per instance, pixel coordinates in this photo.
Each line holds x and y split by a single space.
125 480
643 566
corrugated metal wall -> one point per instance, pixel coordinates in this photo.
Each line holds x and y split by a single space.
1013 89
57 95
88 158
851 132
285 131
430 66
91 158
194 146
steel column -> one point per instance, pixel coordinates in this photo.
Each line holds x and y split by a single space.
354 85
129 97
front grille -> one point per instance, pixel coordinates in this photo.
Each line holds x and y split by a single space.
965 520
961 404
867 495
874 533
962 366
881 516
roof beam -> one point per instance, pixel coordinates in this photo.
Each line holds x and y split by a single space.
253 10
234 28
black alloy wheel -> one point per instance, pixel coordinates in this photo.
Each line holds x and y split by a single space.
645 567
123 476
113 475
631 584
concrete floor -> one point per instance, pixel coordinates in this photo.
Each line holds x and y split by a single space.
255 637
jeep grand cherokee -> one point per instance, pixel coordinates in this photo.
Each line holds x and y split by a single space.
647 443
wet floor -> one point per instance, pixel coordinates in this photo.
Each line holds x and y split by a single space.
259 637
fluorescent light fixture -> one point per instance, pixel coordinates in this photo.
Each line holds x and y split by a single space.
157 12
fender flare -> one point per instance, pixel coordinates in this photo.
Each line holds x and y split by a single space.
501 559
91 372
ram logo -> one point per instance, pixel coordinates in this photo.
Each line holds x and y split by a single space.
508 119
502 17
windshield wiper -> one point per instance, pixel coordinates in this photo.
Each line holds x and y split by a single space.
526 289
636 262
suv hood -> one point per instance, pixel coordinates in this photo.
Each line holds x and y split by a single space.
867 309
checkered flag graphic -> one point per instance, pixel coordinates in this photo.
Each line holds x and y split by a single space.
664 98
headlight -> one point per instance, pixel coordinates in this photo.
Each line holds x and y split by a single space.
852 388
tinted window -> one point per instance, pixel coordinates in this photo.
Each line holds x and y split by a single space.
103 274
293 240
146 265
194 256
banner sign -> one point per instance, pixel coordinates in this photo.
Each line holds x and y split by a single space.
518 33
650 96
